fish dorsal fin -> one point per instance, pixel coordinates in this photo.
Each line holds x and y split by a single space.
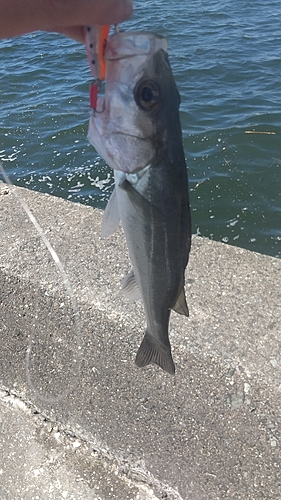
181 306
111 217
130 287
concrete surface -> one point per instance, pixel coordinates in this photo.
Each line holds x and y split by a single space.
79 420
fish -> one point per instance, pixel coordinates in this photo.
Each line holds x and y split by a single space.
136 128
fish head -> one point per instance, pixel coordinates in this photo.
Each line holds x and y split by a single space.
139 110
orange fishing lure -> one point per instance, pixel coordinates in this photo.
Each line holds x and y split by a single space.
95 42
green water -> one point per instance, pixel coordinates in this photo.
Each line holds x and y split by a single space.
227 65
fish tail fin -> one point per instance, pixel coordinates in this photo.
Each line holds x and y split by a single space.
151 351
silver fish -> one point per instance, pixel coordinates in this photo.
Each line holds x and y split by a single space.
137 130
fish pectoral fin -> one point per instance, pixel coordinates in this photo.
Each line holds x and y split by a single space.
181 306
130 288
111 217
150 351
139 201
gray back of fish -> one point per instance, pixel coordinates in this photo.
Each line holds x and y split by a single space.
156 217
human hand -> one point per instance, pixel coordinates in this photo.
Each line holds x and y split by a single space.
103 12
63 16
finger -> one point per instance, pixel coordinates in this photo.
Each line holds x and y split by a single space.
86 12
75 32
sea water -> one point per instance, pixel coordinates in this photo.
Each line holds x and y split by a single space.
226 60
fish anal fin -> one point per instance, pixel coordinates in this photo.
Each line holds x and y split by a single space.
151 351
130 287
111 218
181 306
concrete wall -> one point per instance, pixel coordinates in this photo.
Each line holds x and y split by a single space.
80 420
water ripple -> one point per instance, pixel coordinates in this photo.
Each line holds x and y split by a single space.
226 61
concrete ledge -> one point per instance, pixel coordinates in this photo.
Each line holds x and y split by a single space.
80 414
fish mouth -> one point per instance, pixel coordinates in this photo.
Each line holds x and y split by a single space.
121 149
132 136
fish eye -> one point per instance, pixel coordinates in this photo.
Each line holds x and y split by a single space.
147 95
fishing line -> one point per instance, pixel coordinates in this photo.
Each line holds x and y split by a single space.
70 293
